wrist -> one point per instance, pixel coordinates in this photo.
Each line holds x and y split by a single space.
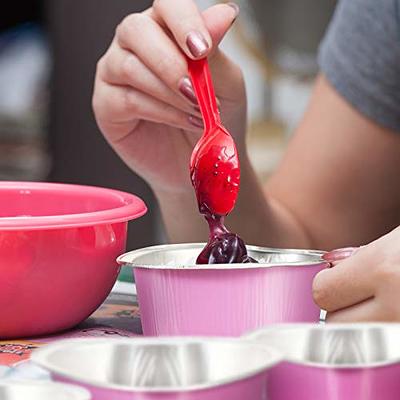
173 193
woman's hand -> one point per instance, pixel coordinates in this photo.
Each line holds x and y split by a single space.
143 99
365 286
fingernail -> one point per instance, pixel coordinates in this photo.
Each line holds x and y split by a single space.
186 88
195 121
197 108
197 44
235 7
340 254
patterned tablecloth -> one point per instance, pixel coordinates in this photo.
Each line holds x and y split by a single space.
118 316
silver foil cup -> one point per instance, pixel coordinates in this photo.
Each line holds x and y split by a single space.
178 297
167 369
334 361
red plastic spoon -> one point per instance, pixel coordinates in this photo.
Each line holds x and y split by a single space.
215 174
214 165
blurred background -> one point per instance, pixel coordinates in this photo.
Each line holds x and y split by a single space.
48 55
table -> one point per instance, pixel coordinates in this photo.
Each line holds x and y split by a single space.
117 317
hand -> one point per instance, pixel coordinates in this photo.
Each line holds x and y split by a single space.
365 287
143 99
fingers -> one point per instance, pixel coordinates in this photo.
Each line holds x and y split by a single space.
142 36
218 20
147 36
123 68
184 20
122 105
367 311
227 76
146 65
350 282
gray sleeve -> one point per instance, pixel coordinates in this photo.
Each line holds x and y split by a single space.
360 56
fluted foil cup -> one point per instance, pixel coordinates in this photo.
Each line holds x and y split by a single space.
335 361
179 298
161 369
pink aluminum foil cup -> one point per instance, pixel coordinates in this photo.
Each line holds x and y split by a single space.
31 390
58 245
178 298
334 362
161 369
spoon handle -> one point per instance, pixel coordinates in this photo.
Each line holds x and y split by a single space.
201 79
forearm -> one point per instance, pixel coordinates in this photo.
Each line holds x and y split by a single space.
182 220
260 219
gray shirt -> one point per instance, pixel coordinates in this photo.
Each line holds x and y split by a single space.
360 56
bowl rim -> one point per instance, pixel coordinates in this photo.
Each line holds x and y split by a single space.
40 358
275 329
78 392
132 207
127 259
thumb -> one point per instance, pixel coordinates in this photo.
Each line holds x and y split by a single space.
218 19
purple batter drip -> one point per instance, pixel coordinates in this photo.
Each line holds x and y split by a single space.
223 247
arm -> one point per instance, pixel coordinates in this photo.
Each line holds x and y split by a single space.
337 184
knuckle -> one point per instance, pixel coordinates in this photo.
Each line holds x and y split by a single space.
101 66
120 30
130 101
157 6
128 67
172 68
129 26
136 19
95 103
96 100
99 106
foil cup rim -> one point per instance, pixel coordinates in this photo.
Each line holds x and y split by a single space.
128 259
252 336
78 393
40 358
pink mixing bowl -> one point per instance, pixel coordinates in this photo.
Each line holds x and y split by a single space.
161 368
177 297
58 245
334 362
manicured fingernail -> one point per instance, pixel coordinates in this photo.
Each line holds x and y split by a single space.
195 121
186 88
197 108
339 254
197 44
235 7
